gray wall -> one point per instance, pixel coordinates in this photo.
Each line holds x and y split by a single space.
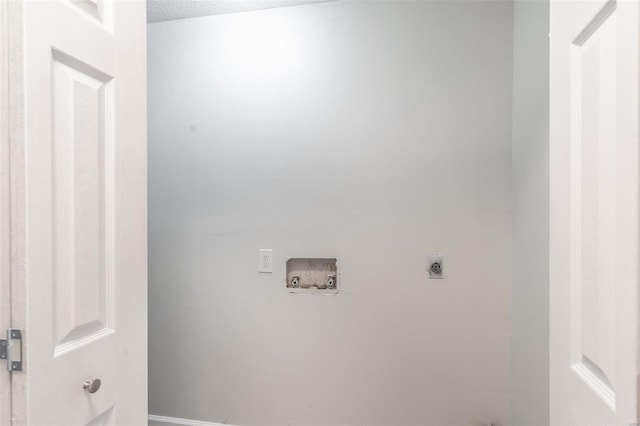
374 132
530 347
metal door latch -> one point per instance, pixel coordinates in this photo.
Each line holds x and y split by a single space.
9 349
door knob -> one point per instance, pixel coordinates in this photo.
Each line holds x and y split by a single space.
92 386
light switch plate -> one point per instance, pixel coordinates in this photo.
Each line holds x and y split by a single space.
265 260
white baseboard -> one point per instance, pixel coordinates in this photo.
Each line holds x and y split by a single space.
182 422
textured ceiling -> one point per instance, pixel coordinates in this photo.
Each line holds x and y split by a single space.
166 10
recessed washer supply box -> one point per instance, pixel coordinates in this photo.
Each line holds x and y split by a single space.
312 275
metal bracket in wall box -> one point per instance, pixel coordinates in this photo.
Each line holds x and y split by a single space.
7 349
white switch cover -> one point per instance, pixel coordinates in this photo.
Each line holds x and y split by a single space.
265 260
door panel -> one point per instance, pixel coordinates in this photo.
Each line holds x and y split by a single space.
82 202
594 212
593 192
100 10
84 163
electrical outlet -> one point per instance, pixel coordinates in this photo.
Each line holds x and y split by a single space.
435 266
265 260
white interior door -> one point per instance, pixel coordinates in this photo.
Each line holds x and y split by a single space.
594 212
78 207
5 248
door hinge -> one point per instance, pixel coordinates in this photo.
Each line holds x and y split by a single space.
12 351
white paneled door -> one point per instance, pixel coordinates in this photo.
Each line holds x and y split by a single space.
594 79
5 225
78 211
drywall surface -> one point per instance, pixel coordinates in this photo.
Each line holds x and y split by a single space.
530 347
166 10
376 133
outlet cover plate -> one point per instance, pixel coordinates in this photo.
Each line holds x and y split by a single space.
265 261
435 267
